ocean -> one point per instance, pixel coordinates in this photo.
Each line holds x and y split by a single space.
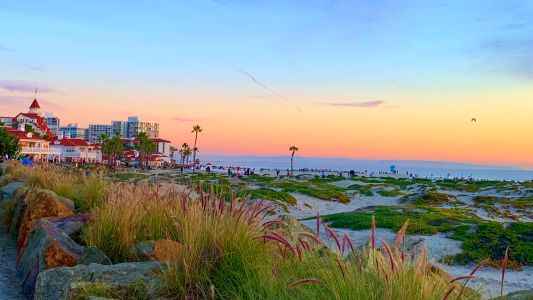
424 169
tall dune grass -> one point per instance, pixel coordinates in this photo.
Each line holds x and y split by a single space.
86 192
229 252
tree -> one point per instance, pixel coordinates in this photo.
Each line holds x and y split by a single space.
293 149
112 147
9 144
185 152
28 128
196 129
145 147
173 150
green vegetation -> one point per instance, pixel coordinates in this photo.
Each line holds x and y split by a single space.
435 198
127 177
133 292
525 202
362 189
9 144
481 239
389 193
318 190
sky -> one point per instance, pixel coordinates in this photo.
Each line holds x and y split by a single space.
369 79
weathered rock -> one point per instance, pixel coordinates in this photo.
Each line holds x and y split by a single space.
61 283
69 225
8 190
40 204
160 250
48 247
20 206
143 248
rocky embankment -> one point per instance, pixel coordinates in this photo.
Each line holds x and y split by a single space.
41 256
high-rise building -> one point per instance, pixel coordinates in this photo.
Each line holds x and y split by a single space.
73 131
96 130
135 126
120 128
52 122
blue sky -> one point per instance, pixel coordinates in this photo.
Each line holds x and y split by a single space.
331 42
348 62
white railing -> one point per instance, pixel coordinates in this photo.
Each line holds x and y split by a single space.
32 150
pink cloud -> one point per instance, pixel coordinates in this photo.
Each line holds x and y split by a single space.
15 86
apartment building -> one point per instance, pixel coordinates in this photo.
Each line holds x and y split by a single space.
135 126
73 131
95 131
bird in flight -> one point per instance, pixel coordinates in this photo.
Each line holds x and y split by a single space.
473 120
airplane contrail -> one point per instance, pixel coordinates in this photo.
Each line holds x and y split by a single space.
268 89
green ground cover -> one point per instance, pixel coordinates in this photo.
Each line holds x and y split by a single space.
481 239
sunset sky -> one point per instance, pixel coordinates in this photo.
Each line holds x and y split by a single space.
372 79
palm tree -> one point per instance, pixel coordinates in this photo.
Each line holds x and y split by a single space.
293 149
112 147
145 147
196 129
184 152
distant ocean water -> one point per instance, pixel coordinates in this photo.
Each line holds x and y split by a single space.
429 169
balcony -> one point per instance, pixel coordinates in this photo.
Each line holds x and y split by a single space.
34 150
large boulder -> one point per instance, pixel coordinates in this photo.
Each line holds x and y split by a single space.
40 204
49 247
65 282
160 250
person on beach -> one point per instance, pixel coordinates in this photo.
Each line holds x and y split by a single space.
26 161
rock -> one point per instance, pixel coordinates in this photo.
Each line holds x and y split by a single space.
8 190
143 248
160 250
20 206
69 225
289 227
68 203
61 283
518 295
40 204
48 247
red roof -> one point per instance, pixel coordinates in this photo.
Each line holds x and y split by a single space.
39 122
73 142
35 104
23 135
